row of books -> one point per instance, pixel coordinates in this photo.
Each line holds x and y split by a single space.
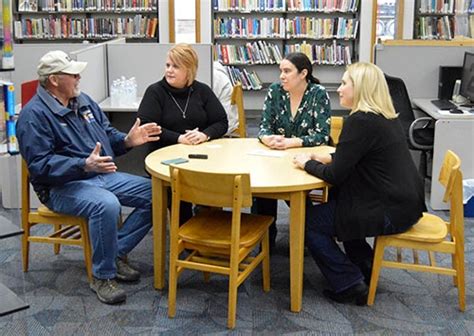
319 28
249 27
437 6
249 5
267 27
257 52
249 79
464 6
261 52
435 28
327 54
323 5
464 25
86 5
66 27
326 6
8 140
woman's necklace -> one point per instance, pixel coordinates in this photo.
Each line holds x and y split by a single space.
183 112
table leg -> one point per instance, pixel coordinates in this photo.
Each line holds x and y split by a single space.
160 201
297 217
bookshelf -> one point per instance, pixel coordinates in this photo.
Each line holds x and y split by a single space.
444 19
251 37
92 20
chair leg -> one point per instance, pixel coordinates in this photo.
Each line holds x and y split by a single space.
266 262
26 248
432 256
459 256
376 266
207 276
453 261
57 247
233 287
173 278
86 245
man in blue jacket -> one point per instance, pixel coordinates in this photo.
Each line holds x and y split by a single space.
69 146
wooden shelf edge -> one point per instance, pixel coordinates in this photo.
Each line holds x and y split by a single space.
460 42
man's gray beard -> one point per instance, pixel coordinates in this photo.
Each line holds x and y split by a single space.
77 93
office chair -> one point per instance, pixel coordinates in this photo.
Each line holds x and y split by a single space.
217 241
67 230
419 132
431 233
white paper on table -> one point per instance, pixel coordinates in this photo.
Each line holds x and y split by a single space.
269 153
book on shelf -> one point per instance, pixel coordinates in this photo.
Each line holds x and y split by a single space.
7 100
28 6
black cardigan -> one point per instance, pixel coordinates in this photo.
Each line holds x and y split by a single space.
374 176
204 111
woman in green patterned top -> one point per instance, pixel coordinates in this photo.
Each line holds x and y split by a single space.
296 113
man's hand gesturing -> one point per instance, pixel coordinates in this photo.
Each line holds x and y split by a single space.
99 164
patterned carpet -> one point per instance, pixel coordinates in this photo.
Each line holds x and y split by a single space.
61 302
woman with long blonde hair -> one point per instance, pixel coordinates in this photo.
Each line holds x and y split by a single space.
376 187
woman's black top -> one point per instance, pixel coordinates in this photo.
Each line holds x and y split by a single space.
178 110
375 177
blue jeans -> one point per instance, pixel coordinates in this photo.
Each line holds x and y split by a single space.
99 199
339 268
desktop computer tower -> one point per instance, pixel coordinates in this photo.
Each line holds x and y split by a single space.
447 78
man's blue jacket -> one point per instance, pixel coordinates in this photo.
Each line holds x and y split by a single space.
56 140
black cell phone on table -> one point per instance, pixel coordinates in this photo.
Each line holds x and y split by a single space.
174 161
197 156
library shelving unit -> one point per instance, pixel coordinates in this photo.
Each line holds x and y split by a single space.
443 19
252 37
91 20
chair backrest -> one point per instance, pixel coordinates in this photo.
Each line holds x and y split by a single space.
210 189
28 90
450 177
237 99
336 129
401 101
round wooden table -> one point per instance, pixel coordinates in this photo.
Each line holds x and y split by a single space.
272 175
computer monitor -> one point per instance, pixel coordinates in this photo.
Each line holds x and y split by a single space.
467 79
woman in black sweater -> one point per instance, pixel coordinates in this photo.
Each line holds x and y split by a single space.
188 111
377 189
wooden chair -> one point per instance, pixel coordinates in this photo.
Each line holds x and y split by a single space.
238 100
336 129
431 234
68 230
218 241
321 195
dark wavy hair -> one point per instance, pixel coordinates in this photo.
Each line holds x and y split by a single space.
301 62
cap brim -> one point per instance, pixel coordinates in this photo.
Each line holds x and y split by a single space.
75 68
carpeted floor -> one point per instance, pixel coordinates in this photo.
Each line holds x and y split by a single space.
61 302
